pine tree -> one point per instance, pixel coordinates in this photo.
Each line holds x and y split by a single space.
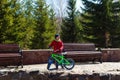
7 21
53 20
26 24
71 28
115 35
16 22
98 21
2 13
44 31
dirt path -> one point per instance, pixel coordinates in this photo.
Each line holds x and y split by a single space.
80 68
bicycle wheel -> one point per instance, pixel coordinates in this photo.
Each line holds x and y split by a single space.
70 65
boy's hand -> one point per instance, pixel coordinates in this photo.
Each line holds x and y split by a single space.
57 50
49 47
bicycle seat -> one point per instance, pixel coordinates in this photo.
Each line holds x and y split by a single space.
63 53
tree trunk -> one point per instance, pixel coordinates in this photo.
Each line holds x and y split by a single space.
107 39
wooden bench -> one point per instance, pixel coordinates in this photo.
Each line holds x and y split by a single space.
10 54
83 52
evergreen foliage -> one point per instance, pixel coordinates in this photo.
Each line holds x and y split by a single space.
99 21
45 29
32 23
71 28
115 35
29 23
8 13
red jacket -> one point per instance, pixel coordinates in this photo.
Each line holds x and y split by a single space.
57 45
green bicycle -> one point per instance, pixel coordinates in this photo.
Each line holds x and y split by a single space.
67 63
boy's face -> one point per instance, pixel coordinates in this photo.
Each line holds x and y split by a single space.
57 38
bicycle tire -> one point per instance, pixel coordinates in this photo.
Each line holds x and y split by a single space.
71 65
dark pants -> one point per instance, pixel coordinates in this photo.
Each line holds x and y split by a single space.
51 61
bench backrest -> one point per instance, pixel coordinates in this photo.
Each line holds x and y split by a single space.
9 48
79 47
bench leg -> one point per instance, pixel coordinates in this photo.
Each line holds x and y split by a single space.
22 62
100 60
93 61
21 65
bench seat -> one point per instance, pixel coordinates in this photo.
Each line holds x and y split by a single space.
83 52
10 54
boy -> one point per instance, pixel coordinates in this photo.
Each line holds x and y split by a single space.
57 46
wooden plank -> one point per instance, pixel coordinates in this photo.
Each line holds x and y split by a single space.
79 47
82 52
10 55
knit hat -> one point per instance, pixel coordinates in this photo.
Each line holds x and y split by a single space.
56 35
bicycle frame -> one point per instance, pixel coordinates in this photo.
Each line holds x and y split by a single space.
60 59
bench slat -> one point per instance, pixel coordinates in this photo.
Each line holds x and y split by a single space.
79 47
9 48
82 52
10 53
